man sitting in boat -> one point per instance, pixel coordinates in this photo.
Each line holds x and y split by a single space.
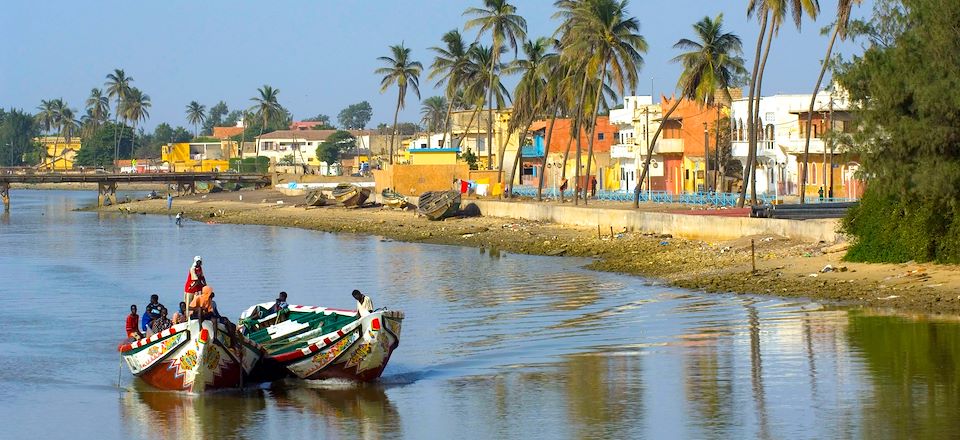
161 323
132 319
364 303
181 315
150 312
280 306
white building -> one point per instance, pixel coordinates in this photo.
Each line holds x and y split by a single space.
782 136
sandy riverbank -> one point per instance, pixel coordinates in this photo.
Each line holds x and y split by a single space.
159 187
784 267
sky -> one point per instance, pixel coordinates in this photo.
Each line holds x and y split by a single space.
321 54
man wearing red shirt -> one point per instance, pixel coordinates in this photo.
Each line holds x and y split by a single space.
132 320
195 282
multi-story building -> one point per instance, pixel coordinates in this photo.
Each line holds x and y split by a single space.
563 138
781 139
59 154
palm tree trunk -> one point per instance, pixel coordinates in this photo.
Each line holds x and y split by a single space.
502 151
813 100
116 138
653 142
393 135
756 117
592 129
493 61
566 155
717 177
517 158
56 142
546 150
447 126
751 127
579 118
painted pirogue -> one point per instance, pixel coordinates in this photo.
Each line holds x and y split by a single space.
192 357
437 205
350 195
320 343
317 198
393 199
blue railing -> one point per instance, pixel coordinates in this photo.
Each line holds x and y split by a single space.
697 198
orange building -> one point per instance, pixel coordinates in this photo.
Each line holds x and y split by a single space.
605 133
687 124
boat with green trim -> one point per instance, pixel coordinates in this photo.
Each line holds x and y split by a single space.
321 343
350 195
192 356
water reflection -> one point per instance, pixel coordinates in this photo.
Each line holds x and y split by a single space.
166 415
913 369
362 410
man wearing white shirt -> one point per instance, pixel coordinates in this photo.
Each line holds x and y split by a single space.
364 303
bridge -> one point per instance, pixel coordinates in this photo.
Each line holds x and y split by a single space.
107 183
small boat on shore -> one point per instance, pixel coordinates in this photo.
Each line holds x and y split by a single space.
350 195
317 198
394 199
437 205
192 356
321 343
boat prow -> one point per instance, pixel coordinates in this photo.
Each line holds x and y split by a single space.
192 356
321 343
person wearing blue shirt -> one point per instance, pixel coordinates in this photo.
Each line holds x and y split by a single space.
150 312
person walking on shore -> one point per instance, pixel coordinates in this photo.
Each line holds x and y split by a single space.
169 201
180 218
195 282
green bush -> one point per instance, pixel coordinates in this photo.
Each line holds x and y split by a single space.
260 164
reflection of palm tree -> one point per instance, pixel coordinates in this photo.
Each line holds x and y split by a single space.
401 70
500 19
756 369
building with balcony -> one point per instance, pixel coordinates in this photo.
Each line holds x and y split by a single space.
781 139
562 141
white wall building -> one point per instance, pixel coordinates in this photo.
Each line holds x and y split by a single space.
636 122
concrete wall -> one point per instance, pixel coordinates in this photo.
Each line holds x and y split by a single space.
413 180
699 227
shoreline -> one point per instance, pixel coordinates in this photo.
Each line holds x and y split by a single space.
785 268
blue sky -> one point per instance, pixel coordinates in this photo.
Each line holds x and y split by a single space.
320 54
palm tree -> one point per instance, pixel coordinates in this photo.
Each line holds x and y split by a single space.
49 117
500 19
266 108
601 33
844 8
450 65
196 115
136 108
118 85
98 108
68 128
433 111
530 93
400 70
558 79
773 13
710 64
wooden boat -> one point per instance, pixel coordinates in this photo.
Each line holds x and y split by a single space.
350 195
394 199
321 343
437 205
192 357
317 198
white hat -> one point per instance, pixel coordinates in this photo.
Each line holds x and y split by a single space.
196 259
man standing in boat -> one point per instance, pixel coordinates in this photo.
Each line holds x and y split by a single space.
195 282
364 303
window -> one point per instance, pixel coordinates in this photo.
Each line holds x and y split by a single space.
599 136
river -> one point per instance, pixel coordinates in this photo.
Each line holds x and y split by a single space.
493 346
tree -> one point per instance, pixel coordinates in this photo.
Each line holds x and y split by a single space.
118 85
196 115
844 8
136 108
433 113
18 130
355 116
712 63
333 147
400 70
601 33
233 118
266 108
530 93
908 139
558 80
99 146
451 66
470 159
98 109
500 19
215 117
476 82
772 13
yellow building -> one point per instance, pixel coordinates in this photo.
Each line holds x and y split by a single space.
198 157
60 154
470 132
433 156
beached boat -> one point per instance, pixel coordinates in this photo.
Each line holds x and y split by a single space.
437 205
321 343
192 357
394 199
350 195
317 198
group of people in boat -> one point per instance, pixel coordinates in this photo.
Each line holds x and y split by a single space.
199 296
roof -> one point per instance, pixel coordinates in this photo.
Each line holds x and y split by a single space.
307 135
226 132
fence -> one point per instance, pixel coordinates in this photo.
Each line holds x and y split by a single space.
690 198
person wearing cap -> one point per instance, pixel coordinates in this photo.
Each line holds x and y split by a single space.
195 281
364 303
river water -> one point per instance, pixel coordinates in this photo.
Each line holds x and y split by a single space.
494 346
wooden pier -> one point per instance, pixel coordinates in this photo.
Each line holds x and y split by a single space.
107 183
